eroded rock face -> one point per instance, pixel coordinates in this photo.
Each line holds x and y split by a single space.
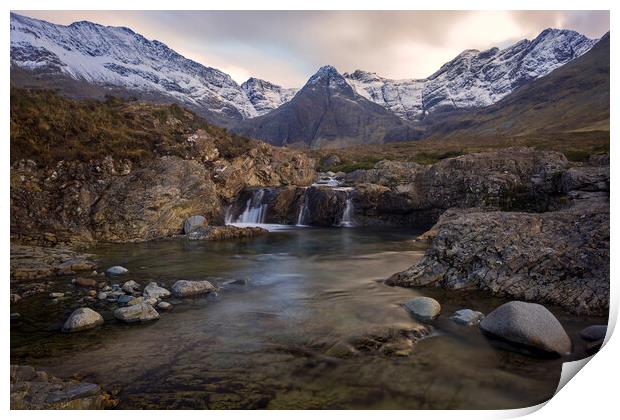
407 193
559 257
192 223
528 324
215 233
34 262
32 389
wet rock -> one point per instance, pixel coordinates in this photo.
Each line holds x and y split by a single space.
130 287
423 308
184 288
192 223
31 389
151 301
527 324
467 317
164 306
216 233
135 301
594 332
152 290
102 295
15 298
34 262
84 282
116 270
15 315
92 293
56 295
560 257
82 319
141 312
124 299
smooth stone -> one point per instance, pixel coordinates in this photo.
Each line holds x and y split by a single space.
56 295
130 286
183 288
528 324
82 319
15 315
116 270
152 290
192 223
467 317
102 295
92 293
141 312
164 306
84 282
424 308
135 301
593 332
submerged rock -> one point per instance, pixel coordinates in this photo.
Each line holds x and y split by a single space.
83 282
32 389
82 319
152 290
528 324
116 270
140 312
424 308
184 288
192 223
164 306
593 332
215 233
467 317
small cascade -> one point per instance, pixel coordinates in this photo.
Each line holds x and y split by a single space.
347 213
302 210
255 211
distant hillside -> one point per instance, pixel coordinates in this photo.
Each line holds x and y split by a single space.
572 98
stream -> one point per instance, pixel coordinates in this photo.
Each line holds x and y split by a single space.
284 298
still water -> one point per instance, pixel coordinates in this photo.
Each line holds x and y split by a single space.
261 343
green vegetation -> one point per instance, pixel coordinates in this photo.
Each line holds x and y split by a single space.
47 128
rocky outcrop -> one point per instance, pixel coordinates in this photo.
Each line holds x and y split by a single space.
117 200
32 389
404 193
559 257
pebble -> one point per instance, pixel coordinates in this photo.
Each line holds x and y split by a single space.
164 306
116 270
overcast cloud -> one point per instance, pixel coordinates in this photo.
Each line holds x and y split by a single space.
288 47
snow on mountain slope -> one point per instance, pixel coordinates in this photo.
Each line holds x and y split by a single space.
474 78
266 96
116 56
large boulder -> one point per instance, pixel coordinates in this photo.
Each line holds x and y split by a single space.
185 288
82 319
423 308
141 312
528 324
152 290
192 223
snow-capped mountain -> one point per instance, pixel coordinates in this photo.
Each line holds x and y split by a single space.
119 57
474 78
266 96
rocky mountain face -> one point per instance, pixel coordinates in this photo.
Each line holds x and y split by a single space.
473 79
266 96
326 112
116 57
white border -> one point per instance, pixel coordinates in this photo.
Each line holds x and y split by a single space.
592 395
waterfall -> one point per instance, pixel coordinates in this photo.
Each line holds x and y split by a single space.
255 211
302 210
345 220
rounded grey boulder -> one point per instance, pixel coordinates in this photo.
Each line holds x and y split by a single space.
192 223
528 324
116 270
82 319
593 332
141 312
152 290
424 308
183 288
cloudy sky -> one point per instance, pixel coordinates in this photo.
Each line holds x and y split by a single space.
288 47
